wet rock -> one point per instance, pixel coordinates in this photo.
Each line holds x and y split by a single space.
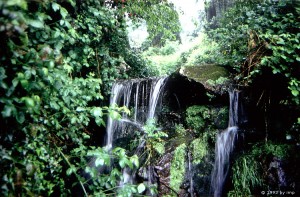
163 173
276 174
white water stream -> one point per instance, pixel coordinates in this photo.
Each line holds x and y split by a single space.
141 94
225 145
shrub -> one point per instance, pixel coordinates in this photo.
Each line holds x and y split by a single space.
177 170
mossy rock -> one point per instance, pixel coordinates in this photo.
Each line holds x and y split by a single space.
204 74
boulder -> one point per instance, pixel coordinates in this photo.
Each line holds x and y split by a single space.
211 76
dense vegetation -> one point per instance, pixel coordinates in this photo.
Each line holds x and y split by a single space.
250 39
258 42
59 60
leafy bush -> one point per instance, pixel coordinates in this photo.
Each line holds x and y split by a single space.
205 51
274 149
197 117
199 148
180 130
169 48
257 36
246 176
154 138
58 60
177 170
249 168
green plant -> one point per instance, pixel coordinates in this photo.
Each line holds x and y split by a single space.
246 175
271 148
154 13
199 149
248 169
177 169
154 138
204 51
197 117
259 37
180 130
58 61
169 48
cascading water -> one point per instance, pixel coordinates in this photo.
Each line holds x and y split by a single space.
154 97
225 144
141 94
119 91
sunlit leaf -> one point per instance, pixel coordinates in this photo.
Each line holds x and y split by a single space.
295 92
21 3
63 12
99 162
141 188
114 114
55 6
36 23
7 111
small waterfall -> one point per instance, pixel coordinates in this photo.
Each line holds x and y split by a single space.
225 144
119 91
143 95
190 167
154 96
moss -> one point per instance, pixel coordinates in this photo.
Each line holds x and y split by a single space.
203 73
199 150
177 170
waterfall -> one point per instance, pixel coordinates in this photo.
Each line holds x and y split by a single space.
154 96
225 144
119 91
143 95
190 167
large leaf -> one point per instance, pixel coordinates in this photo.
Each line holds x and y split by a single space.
141 188
114 114
55 6
99 162
97 112
36 23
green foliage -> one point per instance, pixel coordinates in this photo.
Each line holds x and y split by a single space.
220 116
199 149
177 169
246 176
197 117
204 51
180 130
220 81
163 60
138 66
154 138
248 168
58 61
155 13
274 149
256 35
169 48
171 56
